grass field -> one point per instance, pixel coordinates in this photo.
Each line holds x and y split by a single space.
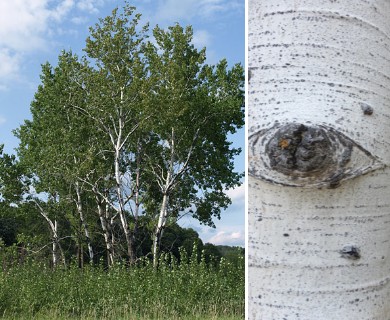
54 315
192 291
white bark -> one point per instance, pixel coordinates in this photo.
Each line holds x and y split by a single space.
162 218
165 190
118 135
120 207
56 246
318 242
119 187
106 224
54 243
167 181
84 225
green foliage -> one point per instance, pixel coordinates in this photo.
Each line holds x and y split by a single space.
8 229
232 254
11 178
189 290
198 106
136 127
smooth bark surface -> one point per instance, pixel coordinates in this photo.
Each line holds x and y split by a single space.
80 210
319 227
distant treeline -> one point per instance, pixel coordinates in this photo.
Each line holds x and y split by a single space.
24 237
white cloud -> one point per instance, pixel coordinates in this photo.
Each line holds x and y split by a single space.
62 9
237 195
22 22
28 26
210 7
79 20
90 6
23 26
9 63
230 238
229 235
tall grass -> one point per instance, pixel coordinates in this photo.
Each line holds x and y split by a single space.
189 290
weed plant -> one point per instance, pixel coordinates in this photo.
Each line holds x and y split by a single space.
191 289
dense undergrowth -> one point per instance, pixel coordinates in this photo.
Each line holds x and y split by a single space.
192 289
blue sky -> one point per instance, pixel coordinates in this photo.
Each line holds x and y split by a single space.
35 31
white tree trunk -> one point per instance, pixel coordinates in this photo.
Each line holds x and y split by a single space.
165 188
56 246
119 186
121 211
84 224
162 219
106 225
319 149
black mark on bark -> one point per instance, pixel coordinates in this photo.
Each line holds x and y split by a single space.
350 252
367 110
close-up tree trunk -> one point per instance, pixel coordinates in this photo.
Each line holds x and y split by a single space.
319 150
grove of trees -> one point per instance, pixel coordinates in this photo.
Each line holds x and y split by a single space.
122 143
319 194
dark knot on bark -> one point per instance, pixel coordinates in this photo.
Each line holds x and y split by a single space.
300 155
300 149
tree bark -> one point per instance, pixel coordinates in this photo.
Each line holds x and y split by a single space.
165 190
159 229
319 149
84 225
121 209
107 229
118 144
54 244
57 251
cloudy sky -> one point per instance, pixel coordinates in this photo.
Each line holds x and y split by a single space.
35 31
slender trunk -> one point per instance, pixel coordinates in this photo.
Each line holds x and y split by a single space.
162 218
159 229
319 194
55 256
107 239
119 191
57 252
107 230
57 241
121 211
56 246
137 202
84 225
110 225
